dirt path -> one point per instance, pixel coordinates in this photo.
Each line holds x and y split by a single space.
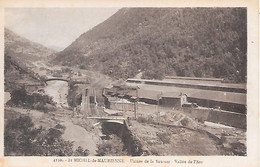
80 137
7 97
74 133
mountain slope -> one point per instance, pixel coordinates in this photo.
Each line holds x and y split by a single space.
23 50
19 56
202 42
17 76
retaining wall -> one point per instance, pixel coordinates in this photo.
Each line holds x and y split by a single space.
218 116
121 106
131 143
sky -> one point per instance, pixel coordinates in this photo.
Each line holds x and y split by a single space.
55 28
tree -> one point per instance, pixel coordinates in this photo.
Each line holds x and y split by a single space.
22 138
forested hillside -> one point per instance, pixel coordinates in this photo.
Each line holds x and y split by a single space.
201 42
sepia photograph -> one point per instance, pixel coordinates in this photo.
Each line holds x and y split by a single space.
127 81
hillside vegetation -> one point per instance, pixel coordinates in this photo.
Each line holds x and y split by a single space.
19 56
23 50
201 42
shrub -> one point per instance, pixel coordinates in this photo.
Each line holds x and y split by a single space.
83 66
153 74
22 138
18 96
112 147
34 101
164 137
80 152
154 151
184 122
141 119
148 120
57 75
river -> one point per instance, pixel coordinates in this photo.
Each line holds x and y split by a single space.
58 90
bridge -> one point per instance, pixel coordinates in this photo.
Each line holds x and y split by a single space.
119 120
66 80
57 79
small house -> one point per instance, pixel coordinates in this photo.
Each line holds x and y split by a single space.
173 99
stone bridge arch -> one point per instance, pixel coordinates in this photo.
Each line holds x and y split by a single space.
57 79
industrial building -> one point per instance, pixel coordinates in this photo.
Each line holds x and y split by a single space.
214 101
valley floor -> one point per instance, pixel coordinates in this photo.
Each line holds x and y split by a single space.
86 138
160 131
168 137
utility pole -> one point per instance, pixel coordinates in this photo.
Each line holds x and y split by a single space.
157 109
136 103
83 102
123 104
95 100
158 103
87 100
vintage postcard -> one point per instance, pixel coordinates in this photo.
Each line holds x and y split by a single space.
129 83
